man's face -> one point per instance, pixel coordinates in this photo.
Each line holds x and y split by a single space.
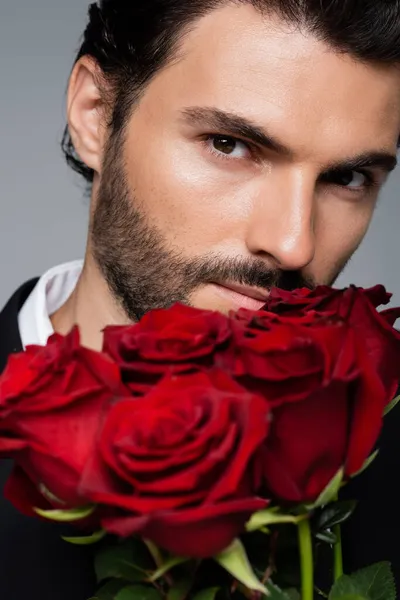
254 159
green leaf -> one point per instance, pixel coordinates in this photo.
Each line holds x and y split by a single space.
180 589
275 593
391 406
334 514
293 594
208 594
109 590
87 540
141 556
234 560
345 587
367 464
67 516
328 537
117 562
169 564
265 530
373 583
330 492
155 552
353 597
266 517
138 592
377 581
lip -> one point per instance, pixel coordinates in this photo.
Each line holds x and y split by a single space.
242 296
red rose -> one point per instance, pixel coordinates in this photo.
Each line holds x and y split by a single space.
310 440
179 465
323 299
327 399
285 359
51 405
180 339
358 308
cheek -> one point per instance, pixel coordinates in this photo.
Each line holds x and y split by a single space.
196 204
339 230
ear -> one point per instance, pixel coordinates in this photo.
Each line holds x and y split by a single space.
86 113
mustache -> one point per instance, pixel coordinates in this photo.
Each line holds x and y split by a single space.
253 273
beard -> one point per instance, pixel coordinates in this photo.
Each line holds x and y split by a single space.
142 272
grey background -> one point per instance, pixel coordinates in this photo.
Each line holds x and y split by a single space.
43 212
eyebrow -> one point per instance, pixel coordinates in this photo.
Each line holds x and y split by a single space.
237 126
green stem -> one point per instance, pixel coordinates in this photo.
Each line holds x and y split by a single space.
306 560
337 551
338 554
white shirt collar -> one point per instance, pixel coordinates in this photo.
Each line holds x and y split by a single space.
50 293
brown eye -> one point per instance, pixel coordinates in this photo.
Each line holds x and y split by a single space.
224 144
228 146
347 179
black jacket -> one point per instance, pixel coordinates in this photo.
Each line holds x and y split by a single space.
373 533
35 563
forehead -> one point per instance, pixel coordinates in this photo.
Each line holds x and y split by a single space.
313 98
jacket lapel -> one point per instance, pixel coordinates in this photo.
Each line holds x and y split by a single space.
35 562
10 341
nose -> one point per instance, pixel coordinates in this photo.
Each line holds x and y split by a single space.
281 226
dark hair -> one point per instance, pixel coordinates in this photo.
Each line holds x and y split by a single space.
131 40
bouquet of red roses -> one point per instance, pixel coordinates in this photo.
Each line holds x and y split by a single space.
198 449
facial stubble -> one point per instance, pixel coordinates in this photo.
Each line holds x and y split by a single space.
141 271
